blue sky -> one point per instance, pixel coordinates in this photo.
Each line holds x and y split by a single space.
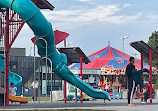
92 23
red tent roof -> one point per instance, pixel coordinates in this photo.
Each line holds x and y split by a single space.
108 58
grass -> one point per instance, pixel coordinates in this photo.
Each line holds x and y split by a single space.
42 98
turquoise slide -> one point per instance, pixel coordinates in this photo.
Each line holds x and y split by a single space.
42 28
14 78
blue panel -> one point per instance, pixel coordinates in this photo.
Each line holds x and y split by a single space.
118 61
102 54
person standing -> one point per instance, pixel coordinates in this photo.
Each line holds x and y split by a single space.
130 82
35 86
12 89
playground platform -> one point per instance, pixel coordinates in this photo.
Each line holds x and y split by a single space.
114 105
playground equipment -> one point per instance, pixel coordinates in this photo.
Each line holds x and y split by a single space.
42 28
17 80
19 99
117 93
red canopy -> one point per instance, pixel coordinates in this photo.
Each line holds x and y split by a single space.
109 58
59 36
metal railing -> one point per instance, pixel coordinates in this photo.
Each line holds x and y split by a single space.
46 58
51 64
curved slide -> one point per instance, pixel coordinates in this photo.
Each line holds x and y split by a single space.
42 28
17 80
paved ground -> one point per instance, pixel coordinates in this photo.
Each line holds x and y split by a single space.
117 104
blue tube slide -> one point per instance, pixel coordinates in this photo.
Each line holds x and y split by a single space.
13 77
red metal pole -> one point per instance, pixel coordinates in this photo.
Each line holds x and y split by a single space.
65 98
7 58
142 75
150 77
81 99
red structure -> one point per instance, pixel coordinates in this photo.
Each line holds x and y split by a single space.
74 55
148 52
150 76
113 60
81 76
142 75
59 36
13 26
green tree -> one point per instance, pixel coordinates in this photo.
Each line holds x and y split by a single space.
153 42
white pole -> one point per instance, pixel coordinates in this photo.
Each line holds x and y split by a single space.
35 66
34 91
123 39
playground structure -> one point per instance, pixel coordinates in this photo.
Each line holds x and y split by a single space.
59 60
117 93
148 52
31 15
13 78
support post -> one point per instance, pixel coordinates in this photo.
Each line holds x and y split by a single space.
150 76
65 91
7 58
65 81
142 75
81 99
75 95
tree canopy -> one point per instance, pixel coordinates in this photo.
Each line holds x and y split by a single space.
153 42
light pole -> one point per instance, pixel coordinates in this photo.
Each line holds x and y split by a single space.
69 43
123 39
66 44
135 54
31 47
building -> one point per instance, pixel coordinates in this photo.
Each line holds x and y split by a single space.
23 65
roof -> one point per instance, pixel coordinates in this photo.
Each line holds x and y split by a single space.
109 58
74 54
43 4
143 48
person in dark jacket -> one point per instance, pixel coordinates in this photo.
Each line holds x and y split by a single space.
130 82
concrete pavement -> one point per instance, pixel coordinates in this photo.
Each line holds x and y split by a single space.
116 104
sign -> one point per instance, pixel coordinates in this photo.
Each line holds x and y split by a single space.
111 71
86 71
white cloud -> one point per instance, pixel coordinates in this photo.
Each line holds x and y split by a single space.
99 13
84 0
152 17
126 5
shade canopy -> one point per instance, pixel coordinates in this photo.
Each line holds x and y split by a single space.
43 4
59 36
73 55
144 48
110 58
